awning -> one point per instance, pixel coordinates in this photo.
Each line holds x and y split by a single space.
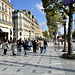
4 29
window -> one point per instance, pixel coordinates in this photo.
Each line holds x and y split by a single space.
2 17
0 5
20 27
10 32
3 6
6 18
9 11
20 34
9 19
14 27
19 15
14 34
19 20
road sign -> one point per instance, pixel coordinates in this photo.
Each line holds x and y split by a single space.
68 2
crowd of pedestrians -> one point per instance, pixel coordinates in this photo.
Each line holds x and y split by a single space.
16 46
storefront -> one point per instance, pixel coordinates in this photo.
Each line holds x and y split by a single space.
3 34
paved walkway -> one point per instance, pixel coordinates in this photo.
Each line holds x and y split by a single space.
48 63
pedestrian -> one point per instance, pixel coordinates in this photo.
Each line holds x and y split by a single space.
9 42
5 47
34 46
25 48
19 43
29 45
41 46
45 45
14 47
37 45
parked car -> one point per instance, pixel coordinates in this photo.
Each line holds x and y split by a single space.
73 40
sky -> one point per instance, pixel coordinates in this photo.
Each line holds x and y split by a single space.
35 7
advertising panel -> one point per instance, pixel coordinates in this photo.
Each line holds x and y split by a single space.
68 2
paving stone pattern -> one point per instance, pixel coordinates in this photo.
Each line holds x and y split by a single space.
48 63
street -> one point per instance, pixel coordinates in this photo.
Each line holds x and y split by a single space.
49 63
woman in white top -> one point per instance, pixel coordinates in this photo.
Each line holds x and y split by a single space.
5 46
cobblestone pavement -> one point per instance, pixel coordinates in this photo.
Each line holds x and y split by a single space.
48 63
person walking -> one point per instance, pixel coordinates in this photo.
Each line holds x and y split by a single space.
14 48
45 45
41 46
29 45
25 48
5 47
19 46
37 45
34 46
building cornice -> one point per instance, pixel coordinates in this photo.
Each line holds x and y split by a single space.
8 3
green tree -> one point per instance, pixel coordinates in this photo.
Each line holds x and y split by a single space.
53 20
45 34
58 5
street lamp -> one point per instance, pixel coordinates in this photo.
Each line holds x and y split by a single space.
55 35
64 23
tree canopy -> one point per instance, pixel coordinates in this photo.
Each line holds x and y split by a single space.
45 34
53 6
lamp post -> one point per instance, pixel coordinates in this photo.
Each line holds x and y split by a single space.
64 23
55 36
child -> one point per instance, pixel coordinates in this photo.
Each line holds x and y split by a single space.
25 48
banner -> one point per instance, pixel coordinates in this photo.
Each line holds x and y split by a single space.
68 2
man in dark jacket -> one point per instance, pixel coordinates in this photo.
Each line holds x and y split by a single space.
25 48
34 46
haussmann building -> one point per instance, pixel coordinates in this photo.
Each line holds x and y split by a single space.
6 26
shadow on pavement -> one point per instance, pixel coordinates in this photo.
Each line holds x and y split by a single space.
26 64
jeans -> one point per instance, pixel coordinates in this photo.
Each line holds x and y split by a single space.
41 50
19 48
45 46
25 52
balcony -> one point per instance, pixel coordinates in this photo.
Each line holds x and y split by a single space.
5 22
8 3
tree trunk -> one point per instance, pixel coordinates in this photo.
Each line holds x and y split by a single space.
70 50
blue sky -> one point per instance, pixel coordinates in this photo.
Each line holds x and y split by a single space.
35 7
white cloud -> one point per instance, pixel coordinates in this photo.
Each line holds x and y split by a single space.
42 23
39 6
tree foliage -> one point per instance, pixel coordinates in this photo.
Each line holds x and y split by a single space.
45 34
53 6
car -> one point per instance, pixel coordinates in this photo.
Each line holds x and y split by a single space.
73 40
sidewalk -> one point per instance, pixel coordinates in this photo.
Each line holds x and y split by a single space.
48 63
